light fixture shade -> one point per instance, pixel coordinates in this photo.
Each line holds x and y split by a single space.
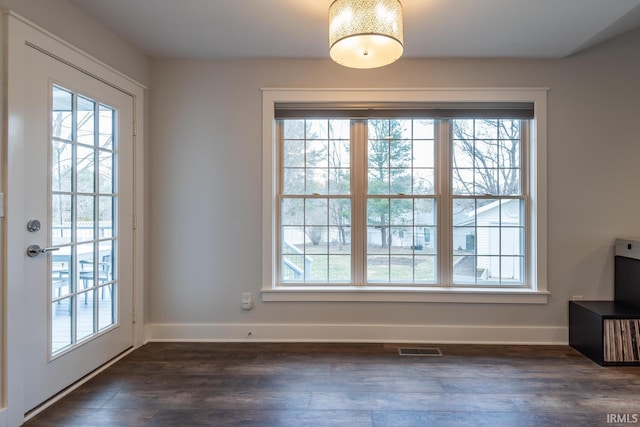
365 33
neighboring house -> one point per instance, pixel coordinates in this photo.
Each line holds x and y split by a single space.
480 235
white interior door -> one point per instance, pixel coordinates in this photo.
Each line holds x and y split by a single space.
79 188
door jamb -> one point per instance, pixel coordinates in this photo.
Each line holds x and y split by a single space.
20 32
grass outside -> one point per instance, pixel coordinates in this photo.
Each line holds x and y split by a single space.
332 264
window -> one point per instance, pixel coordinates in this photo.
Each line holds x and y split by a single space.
395 197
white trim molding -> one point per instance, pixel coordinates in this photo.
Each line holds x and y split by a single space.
272 332
19 33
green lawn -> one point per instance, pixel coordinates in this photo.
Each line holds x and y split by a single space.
333 264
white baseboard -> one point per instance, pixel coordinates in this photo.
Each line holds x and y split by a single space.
453 334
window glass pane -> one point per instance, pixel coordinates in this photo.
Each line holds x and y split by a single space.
378 181
340 212
294 129
423 181
293 155
401 241
378 268
316 157
316 241
339 268
424 268
293 181
377 212
340 240
486 129
317 154
319 268
378 153
424 211
401 211
511 212
339 181
293 240
340 129
488 234
292 211
400 181
317 129
400 269
401 154
423 129
317 181
339 153
316 212
423 154
486 157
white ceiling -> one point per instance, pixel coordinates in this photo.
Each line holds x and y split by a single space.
299 28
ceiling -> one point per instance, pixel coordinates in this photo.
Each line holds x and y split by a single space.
299 28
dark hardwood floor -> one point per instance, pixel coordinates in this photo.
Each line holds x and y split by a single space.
214 384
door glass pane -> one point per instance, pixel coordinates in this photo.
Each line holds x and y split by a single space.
85 175
62 114
106 126
84 225
83 200
86 122
106 172
61 165
61 325
85 310
60 219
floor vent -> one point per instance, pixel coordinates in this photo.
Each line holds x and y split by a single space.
432 351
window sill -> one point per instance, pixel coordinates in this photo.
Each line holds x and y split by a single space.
404 294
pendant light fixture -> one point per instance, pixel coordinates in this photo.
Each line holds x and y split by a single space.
365 33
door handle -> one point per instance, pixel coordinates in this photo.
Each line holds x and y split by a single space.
35 250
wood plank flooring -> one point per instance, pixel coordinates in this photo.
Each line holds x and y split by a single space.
268 384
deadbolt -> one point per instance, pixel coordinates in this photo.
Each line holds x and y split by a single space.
33 225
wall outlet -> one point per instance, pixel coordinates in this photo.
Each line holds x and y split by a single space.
247 301
578 297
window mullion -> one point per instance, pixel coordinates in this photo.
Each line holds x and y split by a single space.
445 203
358 197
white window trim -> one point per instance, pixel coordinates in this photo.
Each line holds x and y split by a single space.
537 245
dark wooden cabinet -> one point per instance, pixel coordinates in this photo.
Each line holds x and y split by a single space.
608 332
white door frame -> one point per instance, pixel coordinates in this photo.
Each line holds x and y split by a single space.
20 32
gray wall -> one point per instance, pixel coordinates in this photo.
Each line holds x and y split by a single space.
205 175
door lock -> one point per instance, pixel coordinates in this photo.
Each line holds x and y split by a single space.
33 225
35 250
